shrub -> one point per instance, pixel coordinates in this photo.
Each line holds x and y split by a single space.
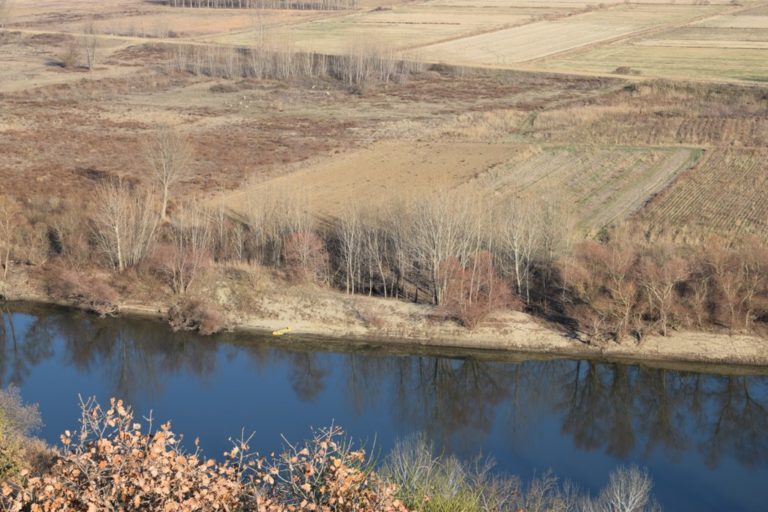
115 463
88 292
196 315
306 257
18 451
326 473
473 291
440 483
112 464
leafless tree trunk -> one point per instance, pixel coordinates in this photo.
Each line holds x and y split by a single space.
188 250
90 42
350 245
660 271
272 214
124 224
10 217
168 156
520 237
444 226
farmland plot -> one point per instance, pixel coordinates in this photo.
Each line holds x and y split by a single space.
709 37
601 186
402 28
630 124
564 4
544 38
385 173
726 193
734 21
740 64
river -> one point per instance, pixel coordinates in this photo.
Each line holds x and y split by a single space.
702 435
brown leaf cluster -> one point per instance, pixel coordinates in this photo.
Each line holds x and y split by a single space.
116 463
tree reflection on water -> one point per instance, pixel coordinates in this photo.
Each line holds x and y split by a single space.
616 408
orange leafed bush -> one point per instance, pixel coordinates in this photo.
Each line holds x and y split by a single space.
113 464
117 463
326 474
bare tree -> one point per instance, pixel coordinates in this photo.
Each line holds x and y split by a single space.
89 40
434 239
661 270
188 250
350 235
125 223
520 236
168 155
753 257
10 217
628 490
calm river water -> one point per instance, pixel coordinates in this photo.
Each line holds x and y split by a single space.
703 436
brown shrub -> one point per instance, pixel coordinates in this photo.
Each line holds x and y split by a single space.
196 315
473 291
89 292
18 451
306 257
326 473
111 464
115 463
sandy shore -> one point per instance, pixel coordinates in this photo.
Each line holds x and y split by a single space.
352 319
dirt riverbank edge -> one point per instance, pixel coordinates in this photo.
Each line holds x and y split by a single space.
511 335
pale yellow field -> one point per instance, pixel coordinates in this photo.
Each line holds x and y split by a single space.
741 64
402 28
541 39
737 21
566 4
706 43
601 185
709 34
385 172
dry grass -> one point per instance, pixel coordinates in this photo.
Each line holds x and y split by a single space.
403 28
726 193
661 61
599 186
384 173
741 21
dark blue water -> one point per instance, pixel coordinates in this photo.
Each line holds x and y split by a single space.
703 436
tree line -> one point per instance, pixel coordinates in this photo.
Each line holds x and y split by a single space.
277 59
316 5
455 251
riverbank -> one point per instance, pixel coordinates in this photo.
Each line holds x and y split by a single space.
316 312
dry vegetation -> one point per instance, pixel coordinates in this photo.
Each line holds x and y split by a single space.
261 157
725 193
116 461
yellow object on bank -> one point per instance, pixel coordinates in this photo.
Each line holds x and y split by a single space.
282 331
